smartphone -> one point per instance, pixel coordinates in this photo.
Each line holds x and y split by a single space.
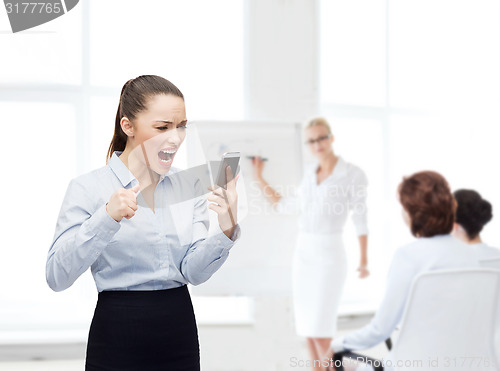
228 158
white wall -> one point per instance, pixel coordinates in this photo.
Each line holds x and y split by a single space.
281 60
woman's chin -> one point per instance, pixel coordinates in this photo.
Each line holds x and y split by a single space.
162 168
161 171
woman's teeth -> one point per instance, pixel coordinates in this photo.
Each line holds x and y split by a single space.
166 156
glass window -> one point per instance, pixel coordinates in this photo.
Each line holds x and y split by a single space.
352 52
102 126
38 160
191 43
444 54
49 54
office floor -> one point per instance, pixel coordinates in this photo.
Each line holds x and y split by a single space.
272 339
71 365
41 358
60 365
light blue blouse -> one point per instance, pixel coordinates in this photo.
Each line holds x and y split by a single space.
156 250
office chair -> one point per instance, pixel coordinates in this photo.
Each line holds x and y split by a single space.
490 263
451 322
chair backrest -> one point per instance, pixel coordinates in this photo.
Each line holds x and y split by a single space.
490 263
451 322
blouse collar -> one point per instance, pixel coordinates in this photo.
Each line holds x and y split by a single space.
120 169
339 170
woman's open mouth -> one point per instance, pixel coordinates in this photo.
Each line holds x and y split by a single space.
166 156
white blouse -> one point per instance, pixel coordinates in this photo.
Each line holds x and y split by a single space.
324 208
483 251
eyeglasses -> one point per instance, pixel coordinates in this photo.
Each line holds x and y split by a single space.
319 140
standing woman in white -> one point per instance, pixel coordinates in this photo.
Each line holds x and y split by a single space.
330 190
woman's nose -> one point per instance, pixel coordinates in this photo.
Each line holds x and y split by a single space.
174 136
316 145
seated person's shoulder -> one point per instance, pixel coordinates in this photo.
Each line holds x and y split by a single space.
487 252
413 251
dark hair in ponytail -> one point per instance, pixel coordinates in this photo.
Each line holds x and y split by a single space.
473 212
133 99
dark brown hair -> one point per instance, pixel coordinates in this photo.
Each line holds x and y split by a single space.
133 99
473 211
427 198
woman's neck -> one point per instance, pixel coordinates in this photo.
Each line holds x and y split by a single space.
141 172
462 235
327 163
475 240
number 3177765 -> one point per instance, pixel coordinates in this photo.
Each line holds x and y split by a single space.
40 8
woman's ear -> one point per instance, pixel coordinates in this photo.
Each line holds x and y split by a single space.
127 126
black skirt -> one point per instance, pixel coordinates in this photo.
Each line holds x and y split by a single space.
143 331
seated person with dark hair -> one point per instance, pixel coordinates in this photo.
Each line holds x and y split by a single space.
473 213
428 208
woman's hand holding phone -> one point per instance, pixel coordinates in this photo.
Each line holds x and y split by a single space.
123 203
225 203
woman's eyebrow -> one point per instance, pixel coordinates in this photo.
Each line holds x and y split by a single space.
170 122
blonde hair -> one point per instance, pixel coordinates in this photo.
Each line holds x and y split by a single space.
319 121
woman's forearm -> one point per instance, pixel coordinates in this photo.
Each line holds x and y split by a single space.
271 195
363 246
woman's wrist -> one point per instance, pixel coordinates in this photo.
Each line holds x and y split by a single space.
259 178
229 233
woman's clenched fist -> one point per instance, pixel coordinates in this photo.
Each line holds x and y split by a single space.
123 203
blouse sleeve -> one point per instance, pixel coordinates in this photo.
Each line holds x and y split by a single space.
80 236
390 311
357 203
206 254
